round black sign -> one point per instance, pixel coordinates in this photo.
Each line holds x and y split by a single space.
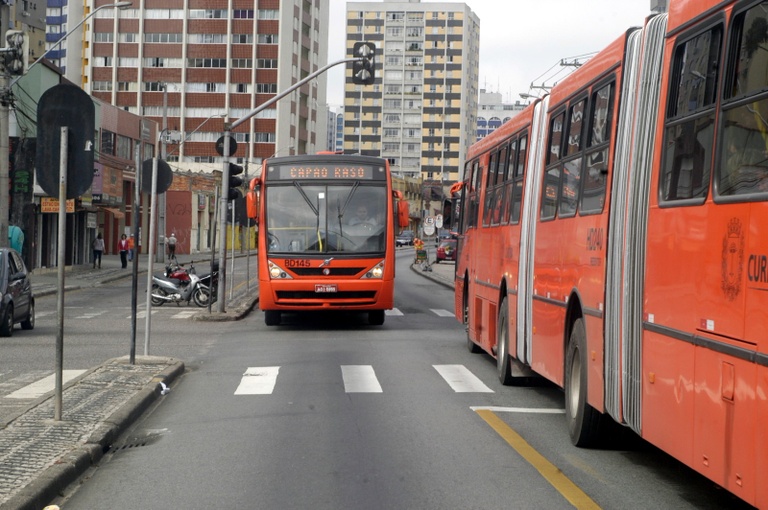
164 176
232 146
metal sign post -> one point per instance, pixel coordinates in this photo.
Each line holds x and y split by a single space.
61 262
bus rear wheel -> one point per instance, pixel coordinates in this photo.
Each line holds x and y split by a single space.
583 420
272 317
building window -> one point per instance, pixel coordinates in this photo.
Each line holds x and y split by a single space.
268 14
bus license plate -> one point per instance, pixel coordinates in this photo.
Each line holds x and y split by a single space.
325 288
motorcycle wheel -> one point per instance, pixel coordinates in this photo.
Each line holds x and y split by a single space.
158 301
201 296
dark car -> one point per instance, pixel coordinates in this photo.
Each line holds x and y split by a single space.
446 250
405 238
18 303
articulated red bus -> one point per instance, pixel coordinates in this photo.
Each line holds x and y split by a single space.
614 240
326 227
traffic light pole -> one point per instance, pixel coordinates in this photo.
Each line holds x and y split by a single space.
224 198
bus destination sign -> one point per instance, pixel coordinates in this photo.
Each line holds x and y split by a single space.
330 172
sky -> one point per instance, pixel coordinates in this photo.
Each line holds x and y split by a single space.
521 41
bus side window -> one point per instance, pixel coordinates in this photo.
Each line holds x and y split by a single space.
551 187
489 183
596 170
743 160
688 135
519 175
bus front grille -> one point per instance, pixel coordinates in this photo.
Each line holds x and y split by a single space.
330 296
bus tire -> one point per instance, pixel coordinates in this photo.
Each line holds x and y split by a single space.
503 359
376 317
272 317
471 346
583 420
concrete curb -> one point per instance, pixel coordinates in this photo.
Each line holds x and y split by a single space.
66 470
236 311
428 274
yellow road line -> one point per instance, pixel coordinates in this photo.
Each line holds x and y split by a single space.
549 471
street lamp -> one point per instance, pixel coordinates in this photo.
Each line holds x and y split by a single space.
215 115
116 5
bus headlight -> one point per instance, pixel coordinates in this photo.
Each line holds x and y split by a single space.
377 272
276 272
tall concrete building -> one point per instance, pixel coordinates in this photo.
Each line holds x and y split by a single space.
192 65
421 111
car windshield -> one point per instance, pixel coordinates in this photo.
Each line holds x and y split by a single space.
321 218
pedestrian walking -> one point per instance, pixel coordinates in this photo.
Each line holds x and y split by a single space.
130 248
171 241
122 247
98 249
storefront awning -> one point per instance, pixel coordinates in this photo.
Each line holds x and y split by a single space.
117 213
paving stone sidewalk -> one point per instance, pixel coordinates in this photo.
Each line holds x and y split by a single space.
41 456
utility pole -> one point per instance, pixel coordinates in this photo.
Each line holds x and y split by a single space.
5 94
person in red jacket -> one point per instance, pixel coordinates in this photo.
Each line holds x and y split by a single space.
122 247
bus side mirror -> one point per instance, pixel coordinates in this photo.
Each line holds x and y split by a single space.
402 213
252 200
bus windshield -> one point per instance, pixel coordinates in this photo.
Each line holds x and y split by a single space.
315 218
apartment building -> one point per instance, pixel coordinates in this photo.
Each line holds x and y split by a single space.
421 113
493 111
193 65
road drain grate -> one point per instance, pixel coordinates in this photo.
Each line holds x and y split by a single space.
133 442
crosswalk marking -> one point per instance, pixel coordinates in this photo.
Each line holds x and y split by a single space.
461 379
360 379
186 314
91 315
43 386
393 312
442 313
258 381
142 314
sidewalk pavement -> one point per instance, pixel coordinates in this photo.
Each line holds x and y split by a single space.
39 456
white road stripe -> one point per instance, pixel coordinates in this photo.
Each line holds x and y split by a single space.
531 410
258 381
91 315
43 314
442 313
393 312
142 314
461 379
186 314
43 386
360 379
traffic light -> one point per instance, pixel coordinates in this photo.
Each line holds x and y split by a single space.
16 52
233 191
363 69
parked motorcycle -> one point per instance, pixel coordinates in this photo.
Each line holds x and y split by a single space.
177 291
208 287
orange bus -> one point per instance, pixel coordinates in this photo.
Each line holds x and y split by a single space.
611 241
326 235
